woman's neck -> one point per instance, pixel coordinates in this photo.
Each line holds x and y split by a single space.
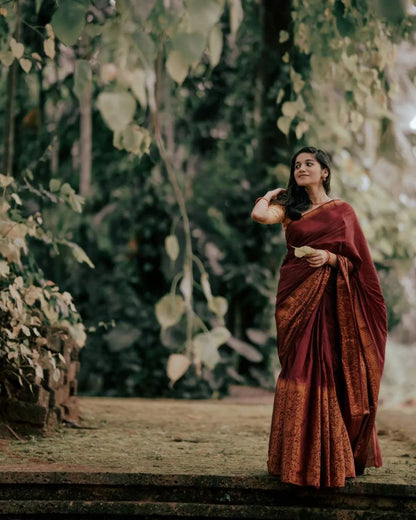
317 195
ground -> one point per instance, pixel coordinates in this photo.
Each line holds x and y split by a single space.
227 437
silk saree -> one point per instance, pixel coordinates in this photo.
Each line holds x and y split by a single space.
331 335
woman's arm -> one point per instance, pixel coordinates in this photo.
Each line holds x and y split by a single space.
267 213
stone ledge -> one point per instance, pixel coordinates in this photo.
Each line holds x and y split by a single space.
263 482
116 495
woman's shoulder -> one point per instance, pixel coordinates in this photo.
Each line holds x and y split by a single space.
343 205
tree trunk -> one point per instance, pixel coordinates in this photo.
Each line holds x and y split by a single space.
86 140
9 123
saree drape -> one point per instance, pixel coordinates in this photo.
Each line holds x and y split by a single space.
331 335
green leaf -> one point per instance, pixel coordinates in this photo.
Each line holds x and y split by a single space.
394 11
169 310
177 366
301 128
283 124
190 46
38 5
236 15
135 139
206 345
146 48
283 36
54 185
68 20
79 254
49 48
82 78
137 82
292 108
297 81
257 336
17 48
25 64
203 14
117 109
16 198
6 58
219 305
245 349
5 180
4 268
177 67
172 247
215 45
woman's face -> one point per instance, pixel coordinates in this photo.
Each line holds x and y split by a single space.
308 171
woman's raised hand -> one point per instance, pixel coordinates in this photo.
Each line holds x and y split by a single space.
272 194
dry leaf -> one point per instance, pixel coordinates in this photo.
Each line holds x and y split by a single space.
304 251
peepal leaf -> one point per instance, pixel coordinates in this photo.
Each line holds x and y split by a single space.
25 64
215 45
189 45
206 345
68 20
218 305
172 247
117 109
169 310
17 48
5 180
177 365
203 14
236 15
177 67
304 251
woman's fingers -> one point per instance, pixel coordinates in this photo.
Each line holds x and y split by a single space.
317 259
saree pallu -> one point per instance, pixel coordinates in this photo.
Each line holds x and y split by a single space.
331 335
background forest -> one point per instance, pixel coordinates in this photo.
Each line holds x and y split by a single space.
137 135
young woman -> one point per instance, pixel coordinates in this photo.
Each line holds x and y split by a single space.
331 333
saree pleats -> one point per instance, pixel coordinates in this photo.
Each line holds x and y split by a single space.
331 354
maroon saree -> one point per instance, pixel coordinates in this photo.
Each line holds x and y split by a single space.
331 334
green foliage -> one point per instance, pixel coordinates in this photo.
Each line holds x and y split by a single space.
191 123
29 304
68 20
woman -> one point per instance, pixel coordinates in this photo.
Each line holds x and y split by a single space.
331 333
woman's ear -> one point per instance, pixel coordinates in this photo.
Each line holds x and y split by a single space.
325 174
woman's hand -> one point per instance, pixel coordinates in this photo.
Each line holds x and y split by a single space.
266 213
320 258
272 194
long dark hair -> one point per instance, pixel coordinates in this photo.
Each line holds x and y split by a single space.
295 198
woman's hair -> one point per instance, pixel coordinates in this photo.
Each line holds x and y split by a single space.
295 198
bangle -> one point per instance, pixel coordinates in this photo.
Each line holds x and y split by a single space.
329 256
263 198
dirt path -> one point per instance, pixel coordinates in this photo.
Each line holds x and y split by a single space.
187 437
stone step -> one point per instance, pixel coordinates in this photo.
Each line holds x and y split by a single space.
68 495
